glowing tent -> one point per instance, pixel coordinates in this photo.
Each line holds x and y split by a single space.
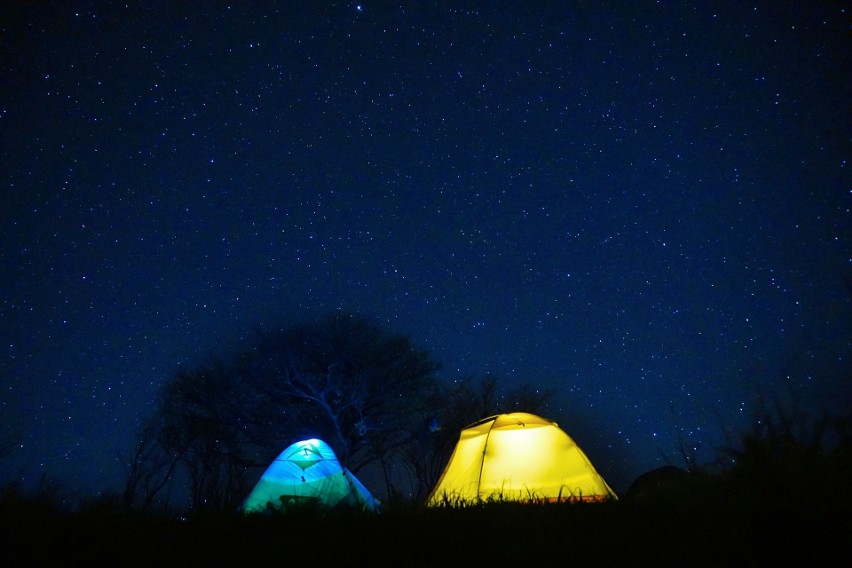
517 457
308 472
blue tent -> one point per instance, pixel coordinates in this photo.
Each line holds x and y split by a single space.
308 472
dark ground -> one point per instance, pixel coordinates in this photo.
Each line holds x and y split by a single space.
697 524
786 500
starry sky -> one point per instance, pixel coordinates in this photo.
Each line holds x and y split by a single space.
642 205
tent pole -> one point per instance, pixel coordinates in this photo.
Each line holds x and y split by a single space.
482 460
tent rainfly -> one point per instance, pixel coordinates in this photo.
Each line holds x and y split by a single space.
517 457
308 472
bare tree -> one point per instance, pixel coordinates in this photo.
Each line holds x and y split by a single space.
149 469
207 421
359 385
342 378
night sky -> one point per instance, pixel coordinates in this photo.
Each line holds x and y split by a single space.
642 205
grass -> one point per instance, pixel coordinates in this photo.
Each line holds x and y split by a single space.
706 525
786 500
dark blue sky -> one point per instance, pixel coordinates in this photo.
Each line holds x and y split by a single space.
645 207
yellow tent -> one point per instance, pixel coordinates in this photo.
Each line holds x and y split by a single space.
517 457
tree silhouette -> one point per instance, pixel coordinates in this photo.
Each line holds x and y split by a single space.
342 378
149 469
204 419
363 388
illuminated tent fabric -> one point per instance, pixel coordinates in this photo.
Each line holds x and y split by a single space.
308 472
517 457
